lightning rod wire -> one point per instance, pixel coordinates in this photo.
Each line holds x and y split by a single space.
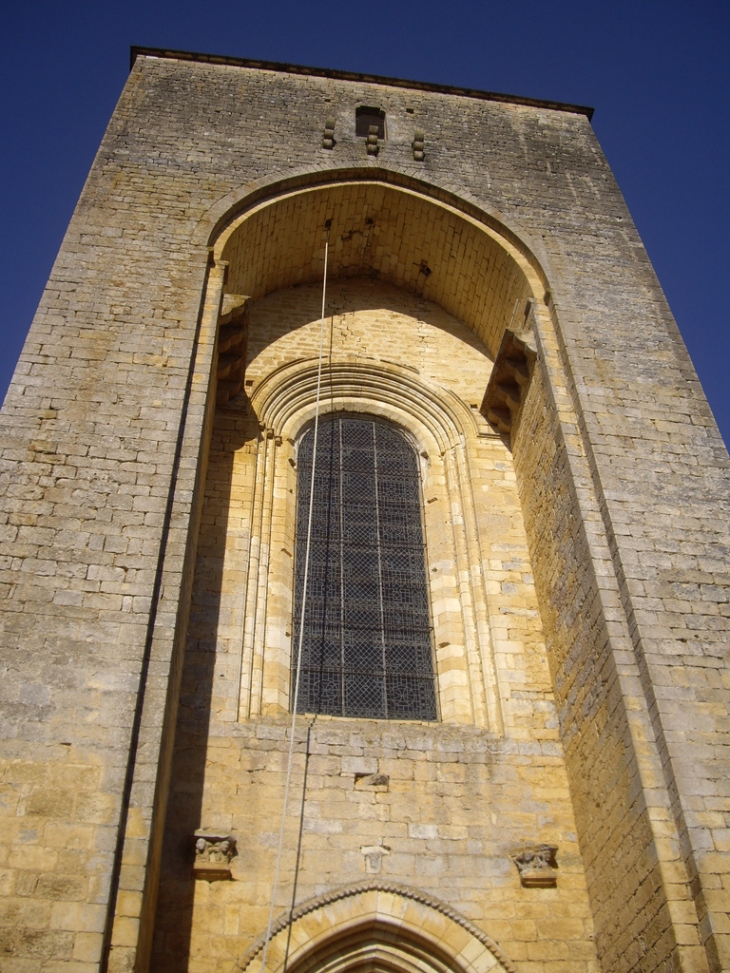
295 701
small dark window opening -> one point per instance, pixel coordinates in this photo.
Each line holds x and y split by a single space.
365 117
367 645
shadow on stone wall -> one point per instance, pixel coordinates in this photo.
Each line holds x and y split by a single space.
173 920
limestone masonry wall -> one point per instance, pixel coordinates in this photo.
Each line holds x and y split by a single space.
455 803
587 707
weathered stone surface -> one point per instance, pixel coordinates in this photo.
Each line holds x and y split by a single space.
578 579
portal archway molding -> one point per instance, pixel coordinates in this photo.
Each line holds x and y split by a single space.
362 925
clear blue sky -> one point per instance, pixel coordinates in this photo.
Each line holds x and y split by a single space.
656 71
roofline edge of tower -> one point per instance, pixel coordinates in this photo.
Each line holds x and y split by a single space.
286 68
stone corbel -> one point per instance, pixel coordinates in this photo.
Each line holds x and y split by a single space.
537 867
371 143
328 136
213 854
418 141
508 383
231 348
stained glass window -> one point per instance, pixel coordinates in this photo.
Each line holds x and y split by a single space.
366 649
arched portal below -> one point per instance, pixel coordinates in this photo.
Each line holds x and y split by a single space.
376 926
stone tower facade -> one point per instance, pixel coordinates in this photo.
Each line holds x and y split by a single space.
490 301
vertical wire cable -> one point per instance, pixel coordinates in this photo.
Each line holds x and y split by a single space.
295 701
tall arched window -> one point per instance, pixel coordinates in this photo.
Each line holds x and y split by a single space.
366 649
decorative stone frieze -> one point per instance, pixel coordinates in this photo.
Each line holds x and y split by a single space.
537 867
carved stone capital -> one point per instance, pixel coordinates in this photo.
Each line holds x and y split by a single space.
537 867
213 854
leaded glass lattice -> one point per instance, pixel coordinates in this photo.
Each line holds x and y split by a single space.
366 649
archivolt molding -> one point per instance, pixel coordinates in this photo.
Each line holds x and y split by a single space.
286 399
442 427
366 905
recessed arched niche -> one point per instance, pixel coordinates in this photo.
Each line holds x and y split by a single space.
471 268
419 295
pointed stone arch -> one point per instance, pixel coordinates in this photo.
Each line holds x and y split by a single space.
376 925
413 235
225 215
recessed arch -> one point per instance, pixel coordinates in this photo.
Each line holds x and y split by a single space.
376 925
398 230
276 184
482 277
